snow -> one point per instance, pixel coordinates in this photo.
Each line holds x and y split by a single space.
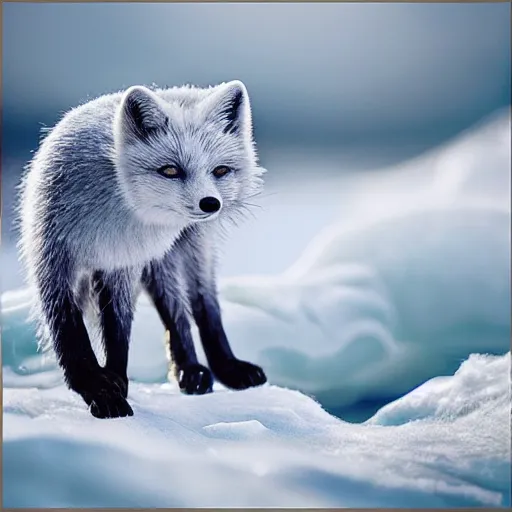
477 383
260 447
403 303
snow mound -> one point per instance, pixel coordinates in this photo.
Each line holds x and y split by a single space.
479 384
374 311
260 447
413 277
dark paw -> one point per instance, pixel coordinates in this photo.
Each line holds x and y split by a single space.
195 379
236 374
103 391
110 406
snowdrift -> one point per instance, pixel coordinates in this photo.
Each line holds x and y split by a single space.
413 278
263 447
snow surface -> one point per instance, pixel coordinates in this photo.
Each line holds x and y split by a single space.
261 447
410 281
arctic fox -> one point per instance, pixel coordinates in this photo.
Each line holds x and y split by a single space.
130 192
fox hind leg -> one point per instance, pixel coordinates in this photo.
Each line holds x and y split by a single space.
115 297
100 389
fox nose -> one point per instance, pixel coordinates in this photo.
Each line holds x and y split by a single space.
209 204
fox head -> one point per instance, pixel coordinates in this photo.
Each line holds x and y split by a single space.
186 154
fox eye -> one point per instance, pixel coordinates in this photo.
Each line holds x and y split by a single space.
170 171
221 170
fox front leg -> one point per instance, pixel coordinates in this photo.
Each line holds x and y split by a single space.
196 251
162 282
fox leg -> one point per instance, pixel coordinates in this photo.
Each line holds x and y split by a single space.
115 296
162 282
101 389
195 248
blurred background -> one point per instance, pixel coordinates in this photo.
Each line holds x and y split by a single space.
335 88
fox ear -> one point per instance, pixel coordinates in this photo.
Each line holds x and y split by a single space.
229 106
140 113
